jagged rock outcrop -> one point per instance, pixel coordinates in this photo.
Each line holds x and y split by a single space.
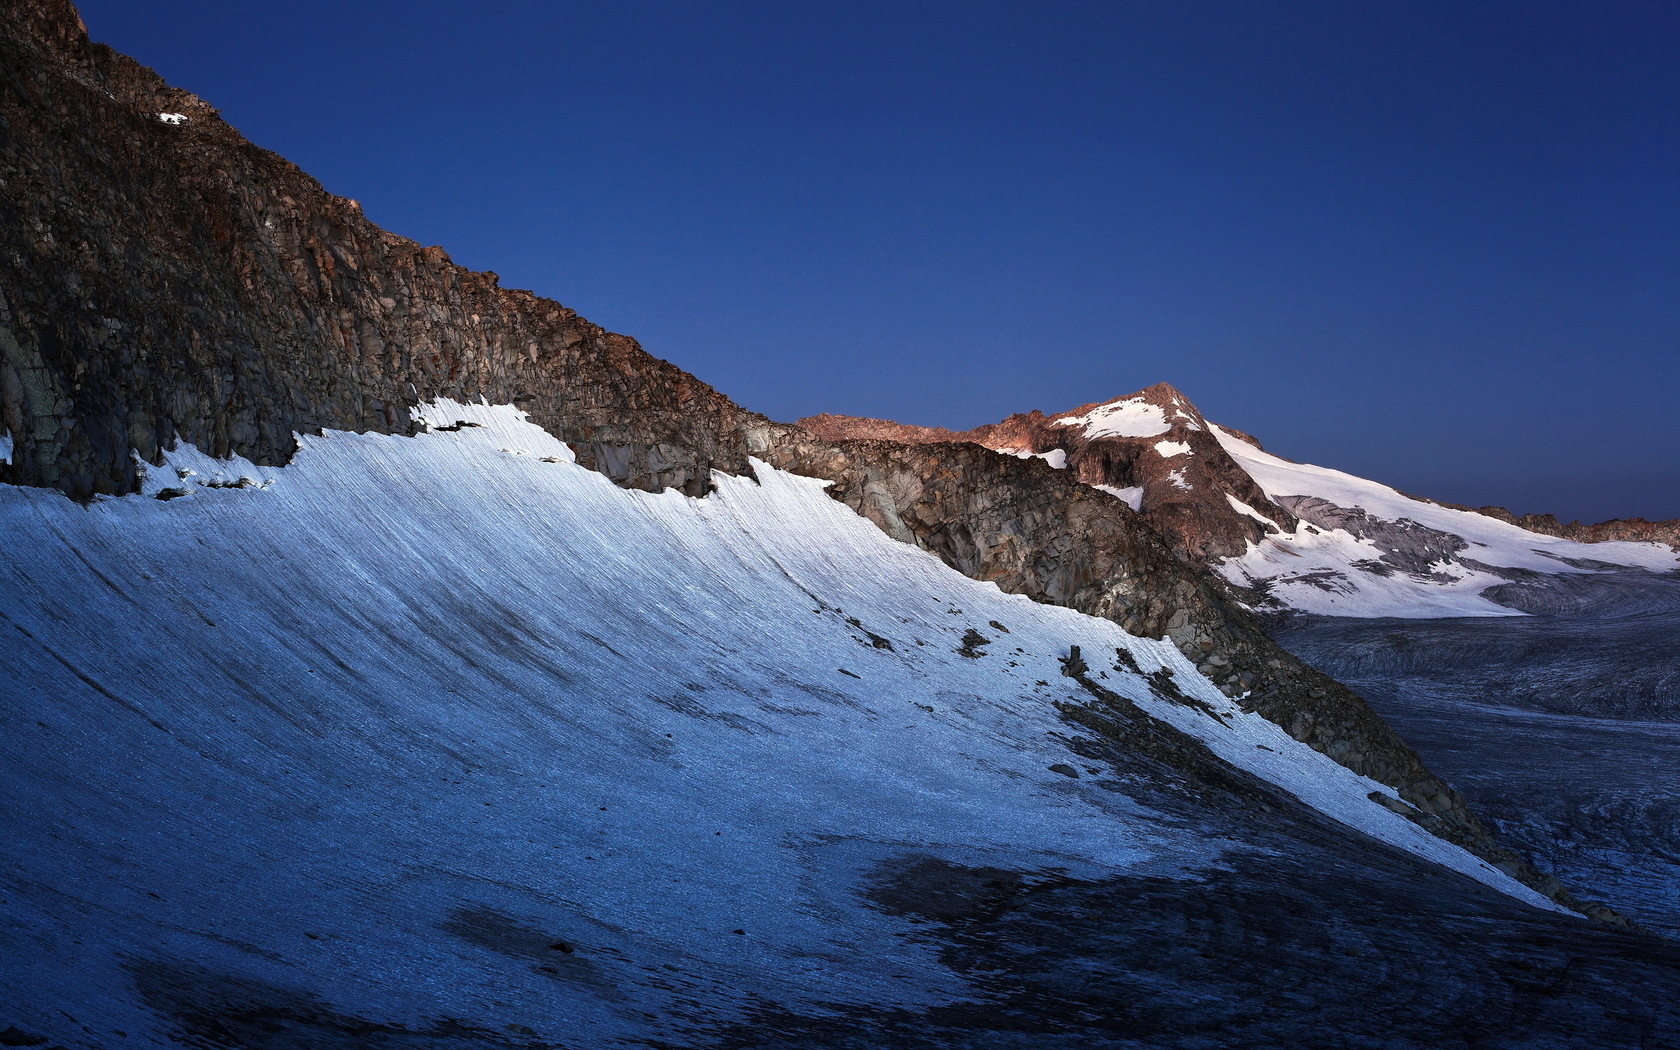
1283 536
857 428
162 278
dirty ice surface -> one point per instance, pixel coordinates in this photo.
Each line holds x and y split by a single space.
1336 572
379 722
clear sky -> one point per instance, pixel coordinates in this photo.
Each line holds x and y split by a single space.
1433 243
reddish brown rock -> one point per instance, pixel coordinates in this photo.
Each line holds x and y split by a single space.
1187 497
1186 479
1635 529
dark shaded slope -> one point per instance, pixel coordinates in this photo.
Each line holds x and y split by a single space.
1563 730
1310 945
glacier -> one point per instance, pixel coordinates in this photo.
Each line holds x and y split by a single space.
448 726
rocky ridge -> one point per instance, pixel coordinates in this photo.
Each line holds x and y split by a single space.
162 279
1152 449
1188 495
1637 530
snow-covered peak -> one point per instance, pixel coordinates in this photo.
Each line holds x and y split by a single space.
1131 417
1148 413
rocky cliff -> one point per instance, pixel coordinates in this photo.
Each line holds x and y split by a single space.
161 279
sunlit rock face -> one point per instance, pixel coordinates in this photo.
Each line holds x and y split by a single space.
1151 450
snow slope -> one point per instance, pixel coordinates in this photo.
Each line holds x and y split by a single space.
379 722
1335 571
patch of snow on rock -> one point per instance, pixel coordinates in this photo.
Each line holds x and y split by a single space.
1133 417
173 118
1244 509
1131 496
185 470
1056 457
1169 449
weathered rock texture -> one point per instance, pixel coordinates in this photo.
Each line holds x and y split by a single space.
161 279
167 279
1187 497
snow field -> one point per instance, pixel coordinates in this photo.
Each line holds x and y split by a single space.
1295 560
336 728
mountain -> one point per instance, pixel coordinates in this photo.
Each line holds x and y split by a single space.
1291 536
396 659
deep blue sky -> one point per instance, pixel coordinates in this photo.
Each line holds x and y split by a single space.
1437 244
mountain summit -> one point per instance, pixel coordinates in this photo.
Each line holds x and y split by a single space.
1286 535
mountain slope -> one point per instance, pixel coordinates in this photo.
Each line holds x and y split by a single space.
1293 536
450 728
164 279
253 700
